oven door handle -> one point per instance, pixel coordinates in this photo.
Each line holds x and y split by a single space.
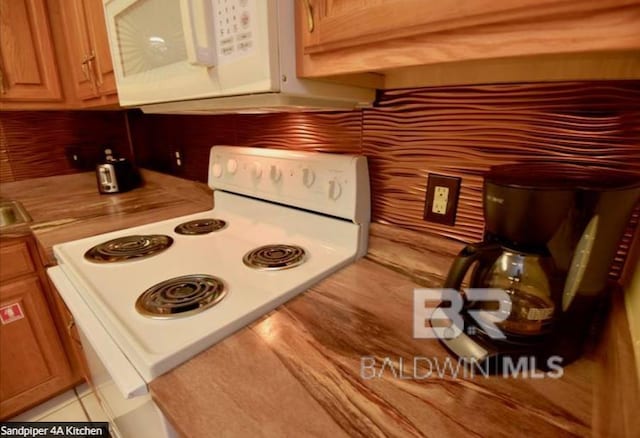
116 363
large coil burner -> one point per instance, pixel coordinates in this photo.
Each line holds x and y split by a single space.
181 296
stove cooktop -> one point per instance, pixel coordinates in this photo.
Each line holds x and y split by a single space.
317 245
282 221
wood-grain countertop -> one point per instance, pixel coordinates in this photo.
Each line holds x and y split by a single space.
336 360
69 207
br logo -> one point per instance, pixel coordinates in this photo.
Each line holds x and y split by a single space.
437 312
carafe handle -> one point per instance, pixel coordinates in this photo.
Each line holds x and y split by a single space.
464 260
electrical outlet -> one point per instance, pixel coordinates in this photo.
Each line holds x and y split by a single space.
84 156
441 199
176 159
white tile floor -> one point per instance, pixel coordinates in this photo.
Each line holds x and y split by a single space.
79 404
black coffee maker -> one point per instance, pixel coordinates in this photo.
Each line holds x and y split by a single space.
551 234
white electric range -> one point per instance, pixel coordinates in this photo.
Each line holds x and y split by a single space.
147 299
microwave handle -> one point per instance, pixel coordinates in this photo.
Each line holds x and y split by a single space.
199 31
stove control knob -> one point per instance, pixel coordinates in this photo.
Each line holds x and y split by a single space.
275 173
232 166
335 189
217 170
308 177
256 171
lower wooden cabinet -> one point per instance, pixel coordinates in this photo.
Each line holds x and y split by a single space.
34 364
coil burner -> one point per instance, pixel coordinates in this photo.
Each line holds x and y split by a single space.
181 296
200 226
275 257
128 248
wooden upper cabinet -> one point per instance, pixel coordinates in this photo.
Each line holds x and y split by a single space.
337 37
29 71
349 23
89 56
79 49
99 40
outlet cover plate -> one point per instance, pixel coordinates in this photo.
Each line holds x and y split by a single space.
453 184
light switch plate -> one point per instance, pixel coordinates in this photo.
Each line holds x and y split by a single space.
441 200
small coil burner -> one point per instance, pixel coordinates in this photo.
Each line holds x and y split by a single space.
181 296
200 226
275 257
128 248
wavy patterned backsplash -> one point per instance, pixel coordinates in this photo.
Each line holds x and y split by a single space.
462 131
32 143
459 131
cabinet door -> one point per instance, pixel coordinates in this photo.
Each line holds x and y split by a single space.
338 37
89 55
99 42
33 366
29 70
348 23
79 46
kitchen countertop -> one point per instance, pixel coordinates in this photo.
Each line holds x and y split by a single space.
69 207
297 370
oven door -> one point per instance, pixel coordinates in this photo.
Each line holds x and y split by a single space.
169 50
123 394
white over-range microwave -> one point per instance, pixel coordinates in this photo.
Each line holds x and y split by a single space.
207 56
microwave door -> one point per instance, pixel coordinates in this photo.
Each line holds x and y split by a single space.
163 50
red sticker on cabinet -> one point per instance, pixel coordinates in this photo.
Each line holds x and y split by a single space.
11 313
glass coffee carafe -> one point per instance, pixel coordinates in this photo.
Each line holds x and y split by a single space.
526 279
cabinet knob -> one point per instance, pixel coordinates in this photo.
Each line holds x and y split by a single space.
70 331
88 71
309 8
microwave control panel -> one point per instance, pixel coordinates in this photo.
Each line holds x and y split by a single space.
235 24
